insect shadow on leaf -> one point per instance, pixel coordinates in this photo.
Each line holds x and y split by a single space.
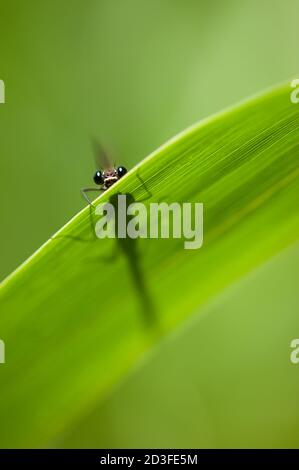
128 247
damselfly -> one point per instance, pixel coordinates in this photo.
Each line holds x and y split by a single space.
106 175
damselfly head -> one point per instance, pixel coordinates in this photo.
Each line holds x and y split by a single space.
108 177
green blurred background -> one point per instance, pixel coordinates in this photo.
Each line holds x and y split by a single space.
134 73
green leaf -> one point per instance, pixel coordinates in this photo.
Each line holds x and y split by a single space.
81 311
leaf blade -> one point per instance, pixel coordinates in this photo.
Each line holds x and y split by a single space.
75 322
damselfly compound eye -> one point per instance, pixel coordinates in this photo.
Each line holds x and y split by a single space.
98 177
121 171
